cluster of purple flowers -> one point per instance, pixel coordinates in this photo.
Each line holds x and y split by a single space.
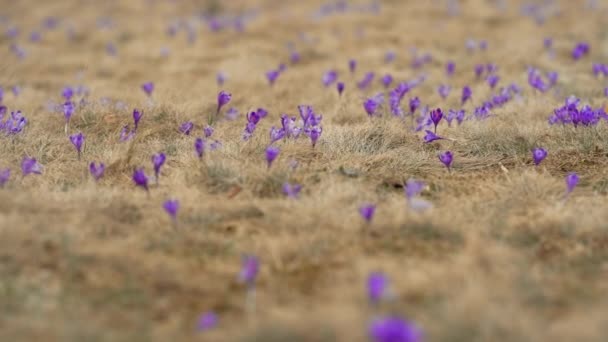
14 123
571 113
126 133
310 125
580 50
252 120
536 81
600 69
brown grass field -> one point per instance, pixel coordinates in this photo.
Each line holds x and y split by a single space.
499 257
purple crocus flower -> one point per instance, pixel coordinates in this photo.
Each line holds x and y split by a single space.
377 285
5 175
340 88
231 114
414 104
455 114
126 134
148 88
249 270
436 116
387 80
466 94
443 90
446 158
580 50
207 321
30 165
272 76
67 93
330 77
371 106
366 81
158 160
292 190
223 98
479 69
430 137
276 134
140 178
450 67
272 152
97 171
571 182
539 154
352 66
394 329
493 80
186 127
367 211
171 207
77 140
552 76
208 130
68 110
199 147
314 133
137 115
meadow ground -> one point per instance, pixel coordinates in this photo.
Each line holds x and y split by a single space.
500 256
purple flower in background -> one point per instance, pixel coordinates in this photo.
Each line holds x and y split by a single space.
249 270
330 77
276 134
387 80
186 127
272 152
148 88
220 78
272 76
414 104
366 81
67 93
372 104
479 69
395 97
450 67
292 190
208 130
552 76
413 188
548 43
158 160
340 88
539 154
282 67
535 80
446 158
140 178
171 207
430 137
580 50
5 175
493 80
137 115
215 145
294 57
436 116
443 90
314 133
389 57
126 134
77 140
97 171
14 124
571 182
111 49
30 165
207 321
377 286
231 114
68 110
367 211
466 94
352 66
223 98
199 147
394 329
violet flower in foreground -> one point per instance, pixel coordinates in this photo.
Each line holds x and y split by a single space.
199 147
208 130
158 160
572 180
29 166
207 321
137 115
223 98
140 178
186 127
97 171
394 329
171 207
340 88
272 152
367 212
68 110
292 190
5 175
377 286
580 50
430 137
436 116
148 88
77 140
67 93
446 158
539 154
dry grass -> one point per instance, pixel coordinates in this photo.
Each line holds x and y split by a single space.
499 258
